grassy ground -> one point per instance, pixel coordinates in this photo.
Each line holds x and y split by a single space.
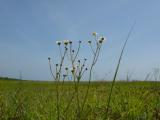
28 100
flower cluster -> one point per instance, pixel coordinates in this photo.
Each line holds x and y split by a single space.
65 42
76 67
72 53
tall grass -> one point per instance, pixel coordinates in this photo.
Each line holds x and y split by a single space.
117 68
29 100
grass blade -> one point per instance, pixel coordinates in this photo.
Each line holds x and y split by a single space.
117 68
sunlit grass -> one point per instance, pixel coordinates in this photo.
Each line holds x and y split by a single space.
36 100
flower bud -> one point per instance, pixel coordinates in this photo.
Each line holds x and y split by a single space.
89 41
58 42
70 42
94 34
49 58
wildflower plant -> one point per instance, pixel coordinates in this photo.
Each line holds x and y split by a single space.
70 57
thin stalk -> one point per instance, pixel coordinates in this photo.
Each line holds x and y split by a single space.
97 54
71 55
74 76
78 80
92 48
63 82
58 77
60 51
117 68
90 75
62 60
77 97
50 67
77 52
70 101
57 100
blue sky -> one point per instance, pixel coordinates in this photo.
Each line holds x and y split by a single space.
29 29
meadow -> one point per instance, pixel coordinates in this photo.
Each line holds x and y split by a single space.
36 100
75 99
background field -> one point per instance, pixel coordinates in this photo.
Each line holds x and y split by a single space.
31 100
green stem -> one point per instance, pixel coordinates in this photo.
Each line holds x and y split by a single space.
117 68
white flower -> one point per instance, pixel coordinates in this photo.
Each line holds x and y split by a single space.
73 69
58 42
94 34
66 42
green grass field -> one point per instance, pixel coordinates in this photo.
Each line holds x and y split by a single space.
31 100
